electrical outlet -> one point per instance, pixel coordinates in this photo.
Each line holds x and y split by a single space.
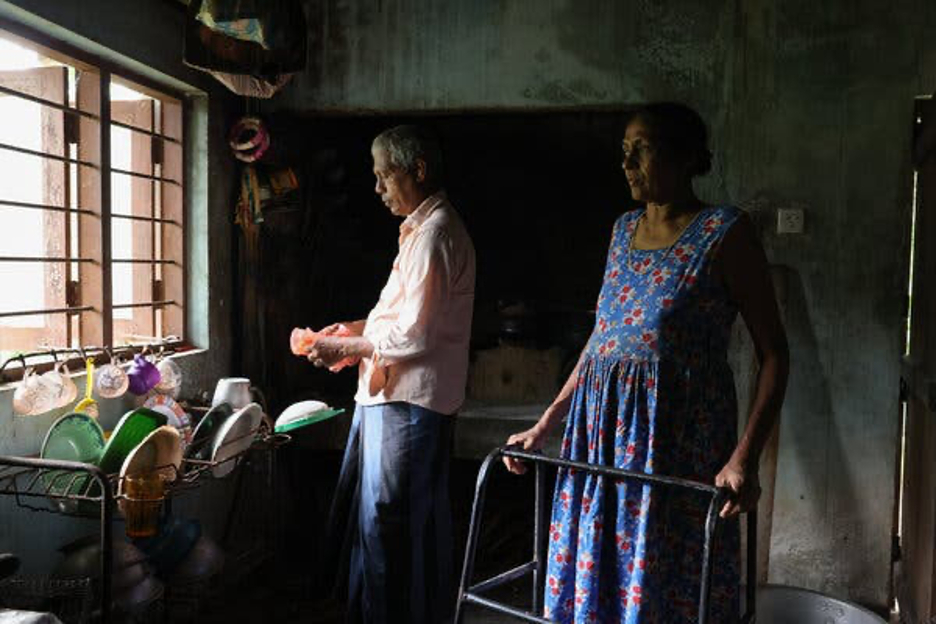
790 221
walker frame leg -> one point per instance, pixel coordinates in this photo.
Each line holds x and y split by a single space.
468 593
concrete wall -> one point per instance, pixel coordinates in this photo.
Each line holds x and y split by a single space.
810 105
146 38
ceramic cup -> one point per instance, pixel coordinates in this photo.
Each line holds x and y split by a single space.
33 395
143 375
236 391
170 378
111 381
59 386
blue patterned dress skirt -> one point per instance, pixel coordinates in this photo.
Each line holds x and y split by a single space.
654 394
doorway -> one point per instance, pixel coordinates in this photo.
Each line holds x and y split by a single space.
915 539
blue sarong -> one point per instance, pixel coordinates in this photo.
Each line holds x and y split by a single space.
397 460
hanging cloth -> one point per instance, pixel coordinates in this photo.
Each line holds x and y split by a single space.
237 19
262 39
252 86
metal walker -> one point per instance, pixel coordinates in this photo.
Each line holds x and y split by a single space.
472 593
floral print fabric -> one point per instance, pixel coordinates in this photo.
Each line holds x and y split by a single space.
654 394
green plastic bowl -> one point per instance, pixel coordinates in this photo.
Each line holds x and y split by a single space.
73 437
131 429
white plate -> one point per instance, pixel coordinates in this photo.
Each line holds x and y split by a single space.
205 432
235 436
160 449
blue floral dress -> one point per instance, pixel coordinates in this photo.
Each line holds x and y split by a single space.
654 394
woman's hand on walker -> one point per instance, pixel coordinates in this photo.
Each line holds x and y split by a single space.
533 439
744 486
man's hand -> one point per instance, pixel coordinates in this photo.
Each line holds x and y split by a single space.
331 351
744 486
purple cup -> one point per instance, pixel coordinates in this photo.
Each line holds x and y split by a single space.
143 375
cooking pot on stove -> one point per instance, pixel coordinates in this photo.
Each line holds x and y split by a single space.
517 321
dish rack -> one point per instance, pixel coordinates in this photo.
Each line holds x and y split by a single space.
83 490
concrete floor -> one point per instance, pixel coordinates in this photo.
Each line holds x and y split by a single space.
252 604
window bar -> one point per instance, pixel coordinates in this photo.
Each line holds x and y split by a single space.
43 259
31 206
143 304
172 343
49 103
139 261
142 218
69 310
144 175
38 154
106 208
157 135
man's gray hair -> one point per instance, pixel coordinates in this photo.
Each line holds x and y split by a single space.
404 145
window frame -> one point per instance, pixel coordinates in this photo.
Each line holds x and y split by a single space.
101 332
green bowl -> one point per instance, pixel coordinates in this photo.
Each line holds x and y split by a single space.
306 420
131 429
73 437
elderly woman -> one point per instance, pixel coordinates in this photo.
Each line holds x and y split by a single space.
653 392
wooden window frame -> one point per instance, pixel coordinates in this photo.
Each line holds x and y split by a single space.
89 285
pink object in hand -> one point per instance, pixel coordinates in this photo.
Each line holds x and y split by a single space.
302 340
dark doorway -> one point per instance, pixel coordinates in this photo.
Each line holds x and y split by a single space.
538 192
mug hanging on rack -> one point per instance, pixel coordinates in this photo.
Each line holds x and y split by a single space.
32 396
59 384
170 377
143 375
112 380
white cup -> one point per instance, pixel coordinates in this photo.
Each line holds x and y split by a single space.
60 386
235 391
111 380
34 394
170 378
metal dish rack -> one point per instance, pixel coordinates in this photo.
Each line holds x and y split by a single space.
84 490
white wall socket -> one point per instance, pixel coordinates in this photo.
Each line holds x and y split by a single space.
790 221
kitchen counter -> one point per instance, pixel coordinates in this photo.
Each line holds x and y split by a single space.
479 428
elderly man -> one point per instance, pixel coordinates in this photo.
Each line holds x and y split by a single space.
414 362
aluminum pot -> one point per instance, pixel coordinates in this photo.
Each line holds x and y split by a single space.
781 604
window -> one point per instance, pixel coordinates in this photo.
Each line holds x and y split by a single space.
91 204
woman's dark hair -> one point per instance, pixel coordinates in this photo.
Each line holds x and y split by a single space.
682 130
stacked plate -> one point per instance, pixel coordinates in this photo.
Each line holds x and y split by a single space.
156 438
234 436
206 430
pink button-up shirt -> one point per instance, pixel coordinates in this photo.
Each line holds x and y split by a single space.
421 326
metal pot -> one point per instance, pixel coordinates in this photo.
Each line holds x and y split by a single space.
205 560
136 599
517 322
781 604
83 560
